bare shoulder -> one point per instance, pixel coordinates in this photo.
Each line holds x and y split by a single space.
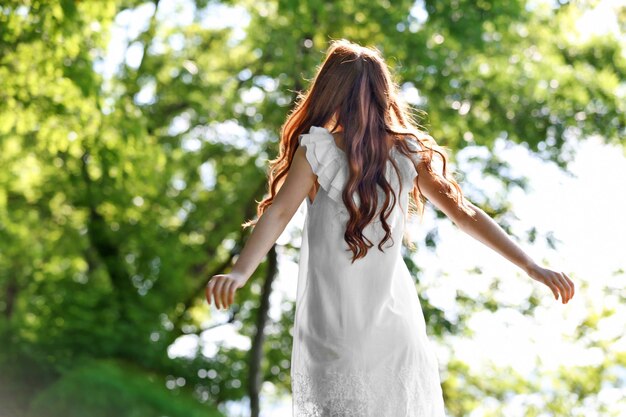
300 165
430 181
438 190
295 186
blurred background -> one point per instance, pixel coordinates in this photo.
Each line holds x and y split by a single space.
134 139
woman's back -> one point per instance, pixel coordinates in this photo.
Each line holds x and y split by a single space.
360 347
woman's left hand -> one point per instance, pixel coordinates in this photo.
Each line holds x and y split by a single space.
222 288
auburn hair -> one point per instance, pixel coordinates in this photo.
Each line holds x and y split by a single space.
354 88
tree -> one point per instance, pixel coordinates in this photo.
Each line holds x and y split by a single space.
120 196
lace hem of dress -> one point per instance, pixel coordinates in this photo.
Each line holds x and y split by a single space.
398 393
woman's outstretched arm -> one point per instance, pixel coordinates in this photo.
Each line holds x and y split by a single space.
484 229
300 178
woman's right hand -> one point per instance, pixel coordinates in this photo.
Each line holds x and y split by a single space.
221 288
558 282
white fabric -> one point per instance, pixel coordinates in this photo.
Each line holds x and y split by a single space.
360 347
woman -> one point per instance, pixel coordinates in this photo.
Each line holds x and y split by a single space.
351 151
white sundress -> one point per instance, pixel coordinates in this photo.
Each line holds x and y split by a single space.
360 347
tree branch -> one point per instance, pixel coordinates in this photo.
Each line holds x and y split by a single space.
256 351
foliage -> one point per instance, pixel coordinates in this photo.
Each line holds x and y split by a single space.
120 194
114 390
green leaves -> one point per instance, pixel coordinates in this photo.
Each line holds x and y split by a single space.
118 196
115 388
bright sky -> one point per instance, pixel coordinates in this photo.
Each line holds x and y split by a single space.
585 212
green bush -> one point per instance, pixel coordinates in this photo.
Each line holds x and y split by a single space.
110 389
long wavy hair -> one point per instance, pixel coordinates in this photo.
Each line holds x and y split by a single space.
354 89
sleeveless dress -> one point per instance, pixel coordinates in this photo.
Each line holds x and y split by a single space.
360 347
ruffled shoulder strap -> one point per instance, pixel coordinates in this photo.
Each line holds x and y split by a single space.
327 161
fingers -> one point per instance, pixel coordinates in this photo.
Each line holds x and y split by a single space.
558 282
231 292
217 289
564 285
207 293
222 289
560 285
569 284
224 292
209 289
567 291
554 289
